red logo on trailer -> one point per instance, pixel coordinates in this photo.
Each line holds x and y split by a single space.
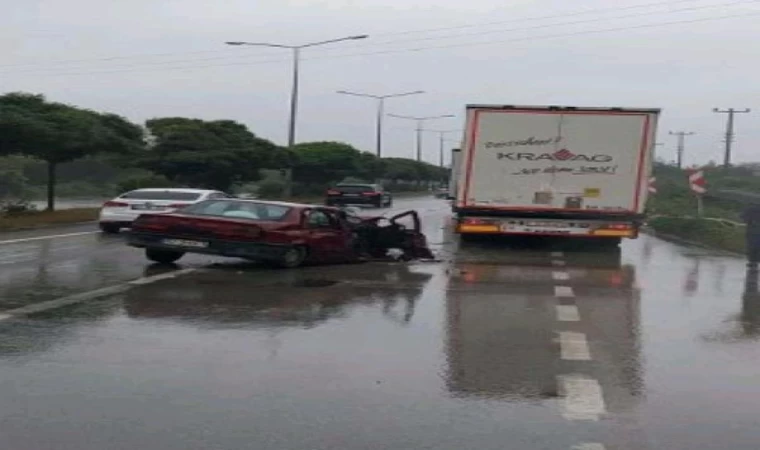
697 182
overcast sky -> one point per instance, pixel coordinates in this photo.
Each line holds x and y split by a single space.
152 58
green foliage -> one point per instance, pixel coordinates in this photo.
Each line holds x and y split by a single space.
13 182
271 189
674 198
322 163
708 232
58 133
141 181
215 155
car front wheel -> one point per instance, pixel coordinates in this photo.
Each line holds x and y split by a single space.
109 228
163 256
292 258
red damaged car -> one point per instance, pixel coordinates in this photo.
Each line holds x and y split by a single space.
286 234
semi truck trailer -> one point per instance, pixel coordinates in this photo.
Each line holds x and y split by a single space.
554 171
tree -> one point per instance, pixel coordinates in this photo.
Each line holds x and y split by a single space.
57 133
13 183
322 163
208 154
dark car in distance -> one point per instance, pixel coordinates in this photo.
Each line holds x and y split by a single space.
359 194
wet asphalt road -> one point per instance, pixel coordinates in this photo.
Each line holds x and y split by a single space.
654 347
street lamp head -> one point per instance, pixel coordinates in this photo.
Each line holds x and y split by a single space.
235 43
361 36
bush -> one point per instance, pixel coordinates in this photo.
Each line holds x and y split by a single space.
271 189
143 181
708 232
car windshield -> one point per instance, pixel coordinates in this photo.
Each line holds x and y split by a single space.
162 195
238 210
352 188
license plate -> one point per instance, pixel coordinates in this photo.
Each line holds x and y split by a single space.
147 207
185 243
351 195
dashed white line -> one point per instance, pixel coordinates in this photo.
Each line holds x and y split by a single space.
87 296
573 346
52 236
589 446
583 398
560 276
159 277
558 263
557 254
568 313
563 291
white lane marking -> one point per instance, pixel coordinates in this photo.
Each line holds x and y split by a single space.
560 276
563 291
583 398
87 296
573 346
52 236
589 446
558 263
159 277
568 313
557 254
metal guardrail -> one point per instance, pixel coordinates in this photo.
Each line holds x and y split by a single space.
722 221
740 197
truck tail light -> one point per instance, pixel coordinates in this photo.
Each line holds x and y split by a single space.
618 226
478 225
475 221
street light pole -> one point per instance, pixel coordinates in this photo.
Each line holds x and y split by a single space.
420 124
380 113
295 89
442 136
294 98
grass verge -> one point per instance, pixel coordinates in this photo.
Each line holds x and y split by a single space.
710 233
37 219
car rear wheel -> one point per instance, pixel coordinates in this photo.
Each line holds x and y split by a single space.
292 258
109 228
389 203
163 256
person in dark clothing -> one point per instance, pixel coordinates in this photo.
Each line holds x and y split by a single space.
751 216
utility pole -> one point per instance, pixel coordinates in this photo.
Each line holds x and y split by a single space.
296 53
420 123
443 140
380 113
729 131
681 144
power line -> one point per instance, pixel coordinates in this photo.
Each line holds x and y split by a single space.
416 49
528 19
729 131
577 22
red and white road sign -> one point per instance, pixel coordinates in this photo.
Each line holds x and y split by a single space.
697 181
652 185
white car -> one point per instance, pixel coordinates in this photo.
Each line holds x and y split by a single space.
123 210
